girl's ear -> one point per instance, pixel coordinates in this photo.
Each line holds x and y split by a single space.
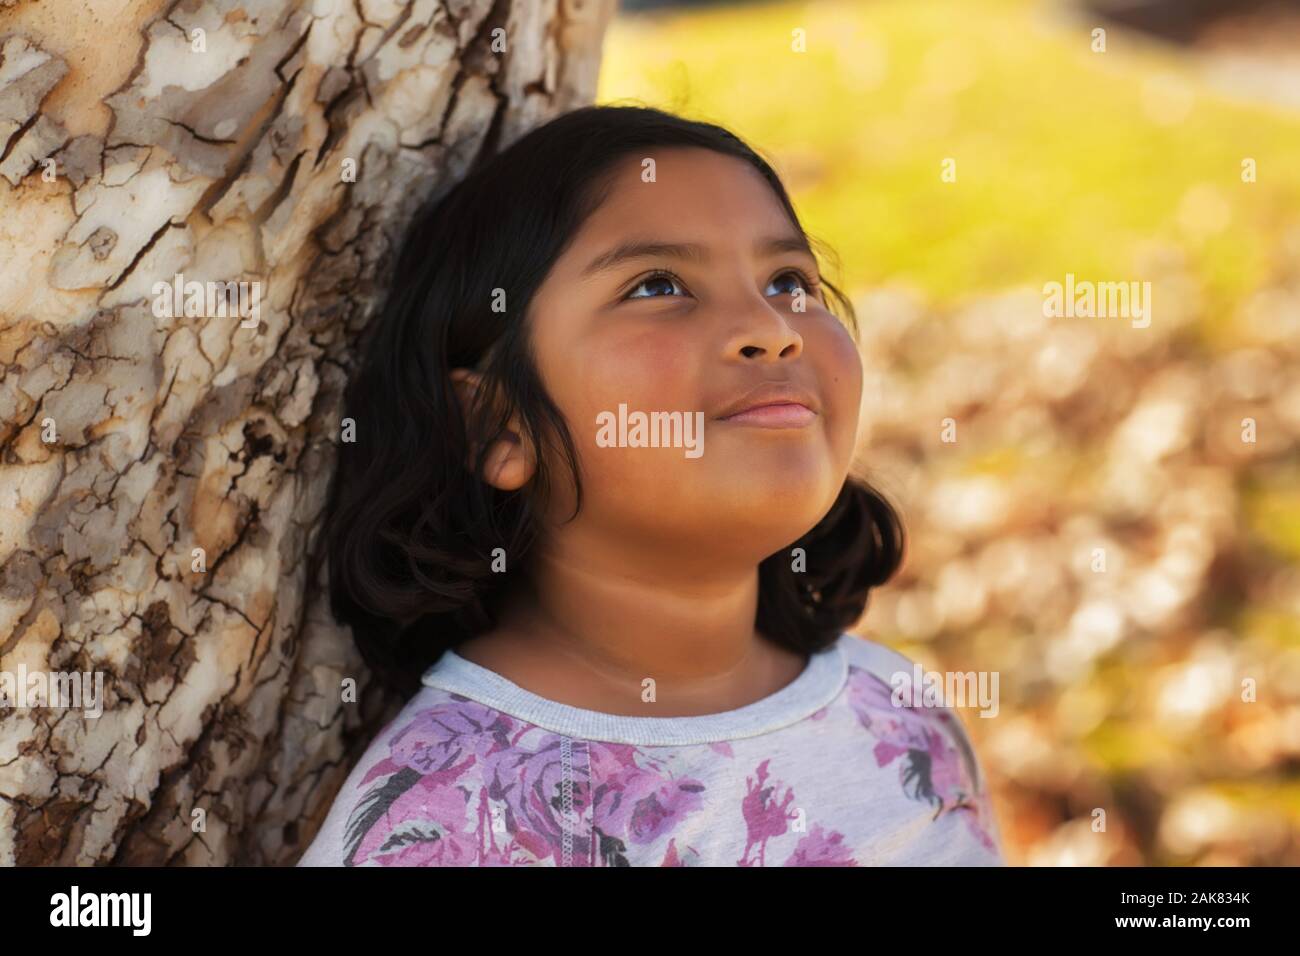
511 460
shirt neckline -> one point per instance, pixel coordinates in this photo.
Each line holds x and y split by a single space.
816 686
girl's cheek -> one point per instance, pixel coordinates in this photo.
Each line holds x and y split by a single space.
842 376
841 389
653 371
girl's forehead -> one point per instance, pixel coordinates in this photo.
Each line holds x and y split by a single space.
683 195
700 174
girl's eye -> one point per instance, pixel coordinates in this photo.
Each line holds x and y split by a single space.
805 283
665 280
658 280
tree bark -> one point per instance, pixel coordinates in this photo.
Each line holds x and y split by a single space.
213 140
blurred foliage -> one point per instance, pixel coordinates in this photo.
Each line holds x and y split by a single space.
1055 144
1162 687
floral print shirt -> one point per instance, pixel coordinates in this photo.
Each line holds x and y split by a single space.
477 771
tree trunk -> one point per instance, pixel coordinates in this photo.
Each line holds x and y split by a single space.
161 473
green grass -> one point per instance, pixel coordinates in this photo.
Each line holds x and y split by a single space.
1061 167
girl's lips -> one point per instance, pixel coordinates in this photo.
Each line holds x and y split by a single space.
780 415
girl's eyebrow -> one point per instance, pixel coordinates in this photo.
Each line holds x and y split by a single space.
693 251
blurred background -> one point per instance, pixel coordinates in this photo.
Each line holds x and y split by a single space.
1115 528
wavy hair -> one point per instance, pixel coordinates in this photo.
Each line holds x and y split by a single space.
409 530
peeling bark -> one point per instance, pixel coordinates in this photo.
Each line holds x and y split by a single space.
128 439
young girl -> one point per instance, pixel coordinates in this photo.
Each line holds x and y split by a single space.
597 524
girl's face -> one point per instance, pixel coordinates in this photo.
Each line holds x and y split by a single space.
607 331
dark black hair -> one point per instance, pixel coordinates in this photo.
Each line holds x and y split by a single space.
409 531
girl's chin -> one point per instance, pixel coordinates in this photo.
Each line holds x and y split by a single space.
788 498
764 476
734 481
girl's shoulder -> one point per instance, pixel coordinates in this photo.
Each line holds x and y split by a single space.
888 689
424 781
871 655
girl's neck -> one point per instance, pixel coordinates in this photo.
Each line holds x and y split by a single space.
592 640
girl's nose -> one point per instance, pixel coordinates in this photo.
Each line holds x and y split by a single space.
764 333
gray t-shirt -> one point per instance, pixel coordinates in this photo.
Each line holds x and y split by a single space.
827 771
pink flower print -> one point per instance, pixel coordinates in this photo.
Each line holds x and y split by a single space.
820 848
531 785
658 811
982 823
638 799
410 820
672 858
764 816
933 769
421 814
